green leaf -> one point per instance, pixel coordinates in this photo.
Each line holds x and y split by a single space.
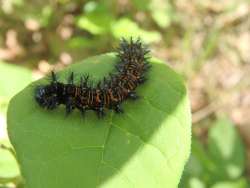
127 28
146 146
97 19
13 79
46 15
87 24
226 149
196 183
199 163
240 183
81 42
141 5
8 165
199 169
162 12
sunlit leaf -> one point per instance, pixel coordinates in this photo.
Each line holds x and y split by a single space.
8 165
196 183
12 79
199 169
162 12
97 19
80 42
127 28
146 146
240 183
141 5
226 150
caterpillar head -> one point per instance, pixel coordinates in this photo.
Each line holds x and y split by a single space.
46 96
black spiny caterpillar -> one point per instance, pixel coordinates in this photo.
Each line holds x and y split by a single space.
108 93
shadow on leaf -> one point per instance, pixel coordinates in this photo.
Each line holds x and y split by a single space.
146 146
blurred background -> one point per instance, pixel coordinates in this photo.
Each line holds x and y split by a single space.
206 41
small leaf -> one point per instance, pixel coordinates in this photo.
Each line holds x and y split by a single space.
162 12
199 168
146 146
8 165
87 24
97 19
141 5
13 79
196 183
81 42
240 183
226 149
199 164
127 28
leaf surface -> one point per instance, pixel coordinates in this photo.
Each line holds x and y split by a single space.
227 150
146 146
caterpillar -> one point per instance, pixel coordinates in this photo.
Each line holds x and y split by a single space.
130 71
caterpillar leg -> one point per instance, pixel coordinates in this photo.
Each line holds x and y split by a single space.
84 81
132 95
53 76
71 78
69 105
147 66
100 112
142 80
52 103
118 109
82 109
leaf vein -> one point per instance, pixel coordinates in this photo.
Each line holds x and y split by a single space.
98 178
149 144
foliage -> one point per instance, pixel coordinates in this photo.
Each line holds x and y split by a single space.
222 165
20 77
9 86
94 23
9 169
141 148
198 38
